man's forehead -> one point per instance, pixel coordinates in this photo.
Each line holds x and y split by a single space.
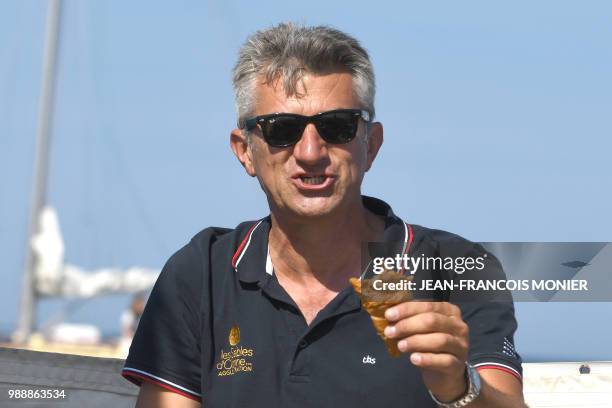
314 93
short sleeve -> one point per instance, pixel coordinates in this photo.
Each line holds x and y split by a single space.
491 320
492 326
166 346
489 313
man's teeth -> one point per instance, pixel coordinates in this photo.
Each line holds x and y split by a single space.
313 180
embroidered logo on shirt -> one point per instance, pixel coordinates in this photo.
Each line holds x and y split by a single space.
237 359
369 360
234 335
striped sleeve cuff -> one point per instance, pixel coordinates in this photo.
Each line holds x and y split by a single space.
495 365
137 376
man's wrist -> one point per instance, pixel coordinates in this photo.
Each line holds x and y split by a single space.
453 390
473 381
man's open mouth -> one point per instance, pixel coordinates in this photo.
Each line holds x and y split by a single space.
313 180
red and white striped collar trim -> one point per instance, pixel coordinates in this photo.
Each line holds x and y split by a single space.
406 246
395 224
244 245
408 239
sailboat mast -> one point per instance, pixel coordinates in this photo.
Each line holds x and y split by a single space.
27 309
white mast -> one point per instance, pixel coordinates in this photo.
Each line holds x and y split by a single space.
27 311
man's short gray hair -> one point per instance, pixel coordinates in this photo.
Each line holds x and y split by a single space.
288 51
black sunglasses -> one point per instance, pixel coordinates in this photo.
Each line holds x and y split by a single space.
285 129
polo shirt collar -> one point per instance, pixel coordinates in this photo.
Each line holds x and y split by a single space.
251 260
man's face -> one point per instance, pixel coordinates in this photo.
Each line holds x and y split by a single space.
311 178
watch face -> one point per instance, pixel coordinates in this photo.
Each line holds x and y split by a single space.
474 379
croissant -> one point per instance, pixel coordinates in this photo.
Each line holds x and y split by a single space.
376 302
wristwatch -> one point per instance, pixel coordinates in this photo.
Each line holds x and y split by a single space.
473 379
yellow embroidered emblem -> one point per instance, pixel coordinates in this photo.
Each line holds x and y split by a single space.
238 359
234 335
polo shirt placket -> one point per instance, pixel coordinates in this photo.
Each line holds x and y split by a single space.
301 379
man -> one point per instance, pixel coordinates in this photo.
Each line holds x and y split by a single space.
263 315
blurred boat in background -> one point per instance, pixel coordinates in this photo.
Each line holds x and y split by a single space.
46 274
569 385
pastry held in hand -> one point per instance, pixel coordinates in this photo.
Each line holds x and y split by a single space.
377 301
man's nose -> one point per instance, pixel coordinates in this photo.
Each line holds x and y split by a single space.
311 148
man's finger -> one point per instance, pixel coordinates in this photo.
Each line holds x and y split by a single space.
434 343
427 323
407 309
439 362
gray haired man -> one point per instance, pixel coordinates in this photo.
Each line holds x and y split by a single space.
263 315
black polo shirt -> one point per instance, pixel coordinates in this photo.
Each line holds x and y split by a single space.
219 328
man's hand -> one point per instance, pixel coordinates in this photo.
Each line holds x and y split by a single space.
436 337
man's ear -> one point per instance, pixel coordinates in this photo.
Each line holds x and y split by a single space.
242 150
375 141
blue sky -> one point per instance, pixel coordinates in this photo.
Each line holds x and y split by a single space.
497 127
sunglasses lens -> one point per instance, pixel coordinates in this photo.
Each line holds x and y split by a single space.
282 131
337 127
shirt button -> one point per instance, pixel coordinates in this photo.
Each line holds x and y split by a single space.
303 344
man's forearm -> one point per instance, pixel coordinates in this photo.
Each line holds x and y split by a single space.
498 389
493 397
